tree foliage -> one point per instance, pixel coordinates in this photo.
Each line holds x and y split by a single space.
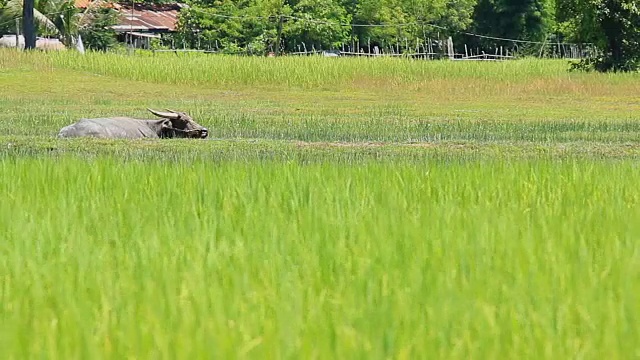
613 25
241 25
261 26
531 20
97 33
52 17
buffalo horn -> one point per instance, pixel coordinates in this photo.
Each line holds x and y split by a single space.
166 115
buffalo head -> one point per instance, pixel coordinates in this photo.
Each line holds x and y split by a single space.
179 124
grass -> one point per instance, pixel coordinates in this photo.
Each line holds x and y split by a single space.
483 260
345 208
354 100
305 72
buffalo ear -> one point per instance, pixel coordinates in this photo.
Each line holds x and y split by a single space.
166 131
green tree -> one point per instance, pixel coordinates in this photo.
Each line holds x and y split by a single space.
532 20
416 19
52 17
612 25
96 30
6 23
217 24
239 25
318 22
375 12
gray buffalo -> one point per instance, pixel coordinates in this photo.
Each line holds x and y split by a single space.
174 124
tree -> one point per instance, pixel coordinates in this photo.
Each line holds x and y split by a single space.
375 12
531 20
96 30
51 17
67 21
439 18
415 19
612 25
258 25
28 25
318 22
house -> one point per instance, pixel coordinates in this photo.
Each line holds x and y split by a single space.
140 23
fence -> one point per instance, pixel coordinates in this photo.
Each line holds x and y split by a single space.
421 48
439 49
430 49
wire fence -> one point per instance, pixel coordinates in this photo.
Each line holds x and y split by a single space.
425 47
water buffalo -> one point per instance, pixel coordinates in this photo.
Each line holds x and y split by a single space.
173 125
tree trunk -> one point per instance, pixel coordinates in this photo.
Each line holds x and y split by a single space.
28 29
614 32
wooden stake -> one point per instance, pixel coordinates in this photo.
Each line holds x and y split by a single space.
17 33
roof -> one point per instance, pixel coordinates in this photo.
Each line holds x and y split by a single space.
147 17
82 4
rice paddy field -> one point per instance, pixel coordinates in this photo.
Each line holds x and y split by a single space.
342 208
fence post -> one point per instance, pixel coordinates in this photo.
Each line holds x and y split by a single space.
17 33
279 35
450 48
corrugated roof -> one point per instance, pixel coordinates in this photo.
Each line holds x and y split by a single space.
145 17
148 17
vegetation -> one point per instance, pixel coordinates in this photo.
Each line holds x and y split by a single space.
530 27
513 19
112 259
52 18
97 33
343 208
241 26
318 99
61 18
321 24
613 25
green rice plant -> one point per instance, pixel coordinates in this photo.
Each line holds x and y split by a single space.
107 258
303 72
345 208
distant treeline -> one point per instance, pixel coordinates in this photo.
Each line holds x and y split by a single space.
259 25
523 26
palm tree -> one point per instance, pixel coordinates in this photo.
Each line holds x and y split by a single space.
52 17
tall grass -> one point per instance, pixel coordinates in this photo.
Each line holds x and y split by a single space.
300 71
528 259
305 72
